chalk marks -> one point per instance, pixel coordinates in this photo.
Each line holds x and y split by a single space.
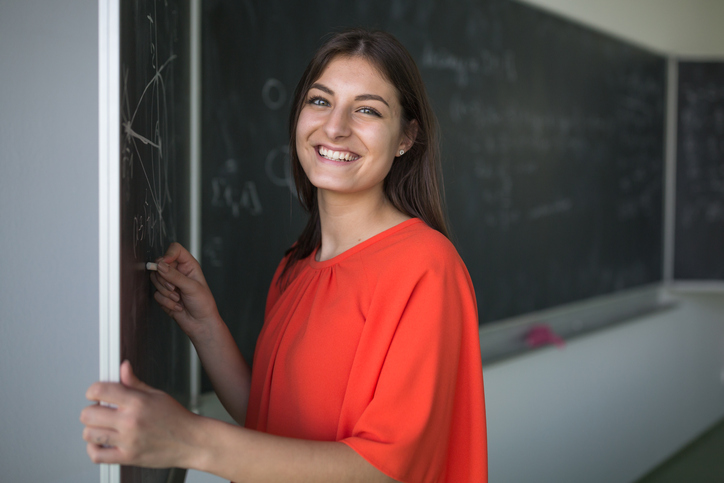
214 251
278 169
234 186
146 134
485 63
700 161
228 191
247 198
550 209
274 94
146 225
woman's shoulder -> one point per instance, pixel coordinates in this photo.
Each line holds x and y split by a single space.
416 245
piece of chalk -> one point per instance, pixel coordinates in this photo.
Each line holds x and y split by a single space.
152 266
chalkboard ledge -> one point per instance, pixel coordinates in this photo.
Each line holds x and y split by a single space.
697 286
516 336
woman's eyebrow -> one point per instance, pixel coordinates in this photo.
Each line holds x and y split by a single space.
361 97
322 88
371 97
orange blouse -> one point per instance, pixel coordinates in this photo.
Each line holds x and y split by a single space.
378 348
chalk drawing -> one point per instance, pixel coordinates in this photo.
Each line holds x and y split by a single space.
150 226
274 94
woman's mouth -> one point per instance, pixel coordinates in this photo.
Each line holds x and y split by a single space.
344 156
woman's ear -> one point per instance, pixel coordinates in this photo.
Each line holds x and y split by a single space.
409 136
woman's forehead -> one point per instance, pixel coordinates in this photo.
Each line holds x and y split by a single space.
356 65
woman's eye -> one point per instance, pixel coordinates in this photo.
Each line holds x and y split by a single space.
369 110
318 101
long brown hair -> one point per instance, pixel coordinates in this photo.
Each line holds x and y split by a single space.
414 183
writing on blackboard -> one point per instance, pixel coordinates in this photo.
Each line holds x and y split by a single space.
702 144
229 192
550 209
150 225
486 63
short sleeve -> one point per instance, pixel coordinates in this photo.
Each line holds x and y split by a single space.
425 421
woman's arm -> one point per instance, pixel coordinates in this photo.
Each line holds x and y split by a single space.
243 455
183 293
149 428
229 373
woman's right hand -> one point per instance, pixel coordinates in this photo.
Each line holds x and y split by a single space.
183 293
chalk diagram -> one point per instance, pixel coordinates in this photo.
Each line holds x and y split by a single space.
145 141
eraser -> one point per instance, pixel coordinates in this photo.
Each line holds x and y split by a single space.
152 266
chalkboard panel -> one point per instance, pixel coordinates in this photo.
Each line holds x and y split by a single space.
699 232
552 146
154 191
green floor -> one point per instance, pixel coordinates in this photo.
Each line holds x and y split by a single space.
700 462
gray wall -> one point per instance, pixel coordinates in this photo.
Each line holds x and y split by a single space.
610 406
48 236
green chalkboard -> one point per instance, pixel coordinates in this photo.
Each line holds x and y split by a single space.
699 232
154 192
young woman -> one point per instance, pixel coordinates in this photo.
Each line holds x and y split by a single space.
368 365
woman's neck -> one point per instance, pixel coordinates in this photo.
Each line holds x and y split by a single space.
349 220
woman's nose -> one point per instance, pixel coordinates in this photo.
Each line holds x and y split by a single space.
338 124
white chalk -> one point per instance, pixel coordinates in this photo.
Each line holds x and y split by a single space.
152 266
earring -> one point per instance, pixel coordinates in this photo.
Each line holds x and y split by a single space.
402 151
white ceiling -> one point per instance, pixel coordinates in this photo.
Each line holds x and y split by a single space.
677 27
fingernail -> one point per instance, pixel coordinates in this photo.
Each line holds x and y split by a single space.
170 287
179 307
163 267
175 296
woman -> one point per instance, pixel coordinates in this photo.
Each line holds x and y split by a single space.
368 365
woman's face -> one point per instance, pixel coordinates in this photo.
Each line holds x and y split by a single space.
350 129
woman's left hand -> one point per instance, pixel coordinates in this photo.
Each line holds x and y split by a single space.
143 427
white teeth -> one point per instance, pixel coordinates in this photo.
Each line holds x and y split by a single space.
337 155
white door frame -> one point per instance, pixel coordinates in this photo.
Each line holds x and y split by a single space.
109 200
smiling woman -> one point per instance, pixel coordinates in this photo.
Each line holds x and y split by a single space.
348 135
382 81
368 365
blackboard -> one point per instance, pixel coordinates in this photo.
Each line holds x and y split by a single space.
154 191
699 227
552 144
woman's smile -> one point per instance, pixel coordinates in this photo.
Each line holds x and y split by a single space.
337 155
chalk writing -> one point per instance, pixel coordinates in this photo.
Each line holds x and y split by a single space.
485 63
701 161
229 193
550 209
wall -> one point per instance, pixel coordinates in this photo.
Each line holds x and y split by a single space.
612 405
48 237
609 406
